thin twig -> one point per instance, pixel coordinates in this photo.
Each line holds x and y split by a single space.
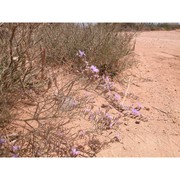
126 92
160 110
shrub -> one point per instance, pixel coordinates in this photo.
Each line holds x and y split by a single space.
103 47
146 26
95 51
19 64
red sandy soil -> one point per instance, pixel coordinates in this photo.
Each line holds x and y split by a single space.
156 81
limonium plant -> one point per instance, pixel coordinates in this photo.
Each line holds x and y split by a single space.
54 135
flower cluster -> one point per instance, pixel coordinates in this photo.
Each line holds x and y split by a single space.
91 71
107 84
2 141
6 149
135 112
15 148
103 120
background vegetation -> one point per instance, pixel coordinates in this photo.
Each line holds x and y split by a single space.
147 26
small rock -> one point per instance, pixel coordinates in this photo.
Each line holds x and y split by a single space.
116 139
137 122
175 134
174 121
104 106
125 123
124 148
146 108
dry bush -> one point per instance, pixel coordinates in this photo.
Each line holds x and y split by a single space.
48 130
19 64
101 44
37 112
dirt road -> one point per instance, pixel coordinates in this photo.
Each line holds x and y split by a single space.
156 81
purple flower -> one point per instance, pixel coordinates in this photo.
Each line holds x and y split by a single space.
14 155
81 133
135 112
74 151
111 125
92 117
107 79
81 54
15 148
108 116
117 97
94 69
74 103
108 84
2 141
61 134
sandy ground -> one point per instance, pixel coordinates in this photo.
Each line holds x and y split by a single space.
155 83
156 80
